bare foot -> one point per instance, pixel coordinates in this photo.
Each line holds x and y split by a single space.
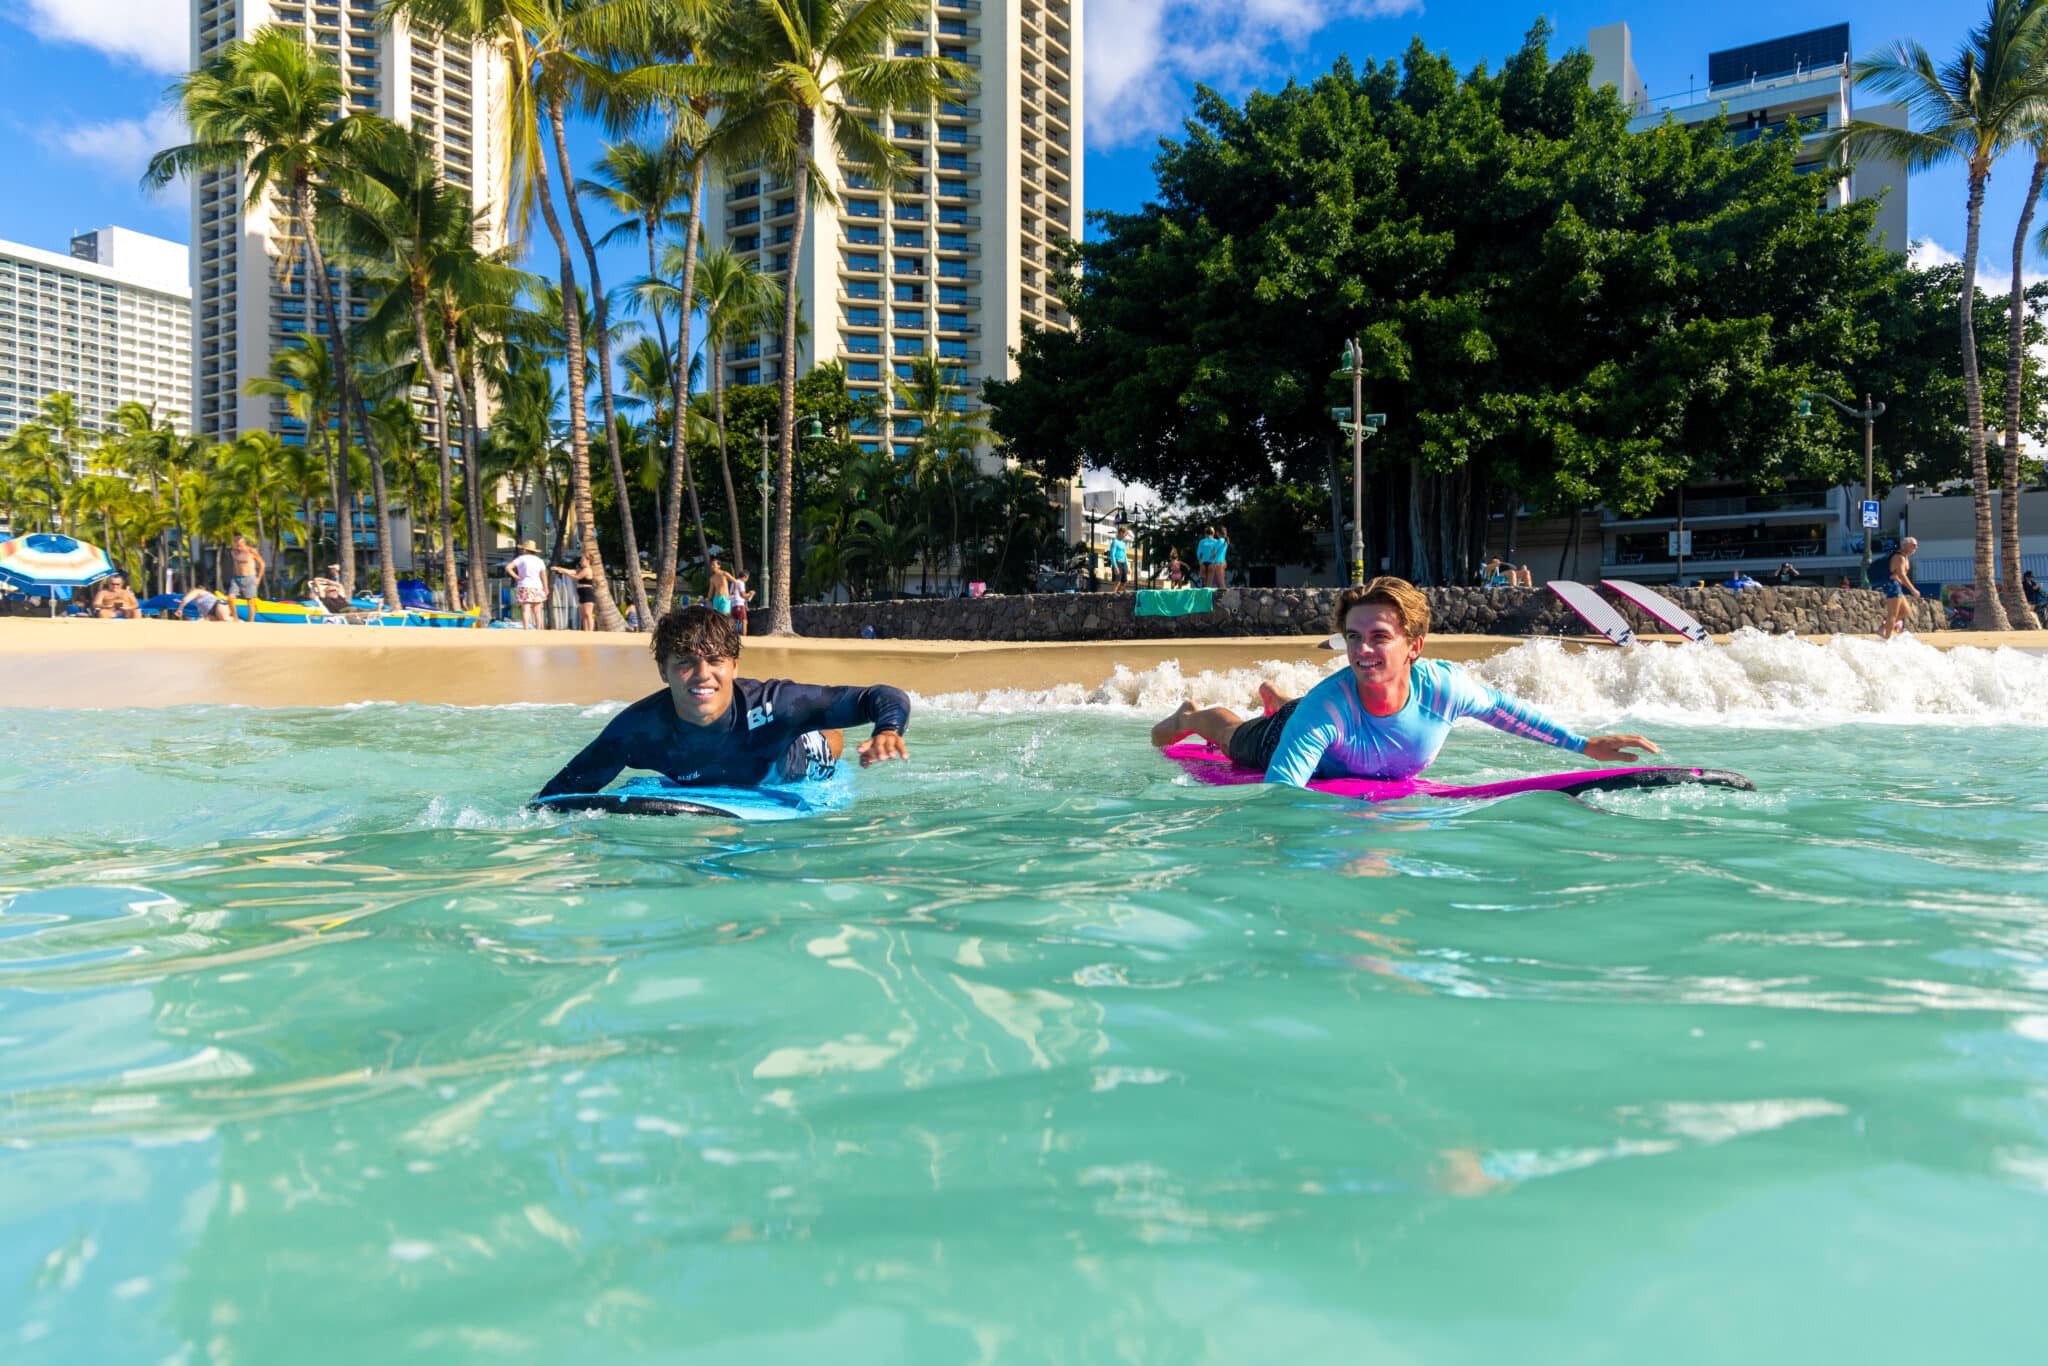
1270 699
1175 727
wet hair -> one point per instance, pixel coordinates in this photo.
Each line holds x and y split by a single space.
697 631
1405 598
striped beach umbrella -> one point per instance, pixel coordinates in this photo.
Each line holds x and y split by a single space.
45 559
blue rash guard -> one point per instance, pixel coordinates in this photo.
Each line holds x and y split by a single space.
741 749
1331 735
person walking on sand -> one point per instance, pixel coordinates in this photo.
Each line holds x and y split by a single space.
249 567
529 583
1386 716
1897 587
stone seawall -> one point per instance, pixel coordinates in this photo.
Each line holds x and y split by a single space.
1306 611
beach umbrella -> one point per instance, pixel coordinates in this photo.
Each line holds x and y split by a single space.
46 560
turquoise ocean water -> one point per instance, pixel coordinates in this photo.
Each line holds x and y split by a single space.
315 1047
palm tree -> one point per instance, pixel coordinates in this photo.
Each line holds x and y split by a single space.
270 109
947 433
302 374
816 59
541 43
736 301
1972 109
148 448
35 464
642 182
401 221
254 468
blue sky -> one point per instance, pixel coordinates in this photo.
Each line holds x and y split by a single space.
81 84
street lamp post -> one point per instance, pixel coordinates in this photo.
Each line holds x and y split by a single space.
1358 424
1869 413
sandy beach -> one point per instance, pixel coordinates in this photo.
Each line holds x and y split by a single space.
80 663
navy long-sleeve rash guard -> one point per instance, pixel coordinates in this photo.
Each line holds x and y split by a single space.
741 749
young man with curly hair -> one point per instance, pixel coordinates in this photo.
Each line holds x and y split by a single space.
710 728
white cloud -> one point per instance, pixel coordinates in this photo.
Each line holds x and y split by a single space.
1926 254
121 146
1143 54
152 33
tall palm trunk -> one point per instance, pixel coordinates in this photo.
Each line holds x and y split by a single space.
2018 614
445 521
472 477
601 311
608 618
1990 613
732 502
680 475
668 527
344 498
779 621
337 342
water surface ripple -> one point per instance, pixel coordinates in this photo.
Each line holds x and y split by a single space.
317 1047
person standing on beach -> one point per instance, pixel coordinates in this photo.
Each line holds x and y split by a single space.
578 573
1219 559
1176 569
529 583
1386 716
718 588
1897 587
1120 561
249 567
1205 551
740 598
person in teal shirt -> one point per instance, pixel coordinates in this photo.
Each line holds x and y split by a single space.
1219 558
1386 716
1120 561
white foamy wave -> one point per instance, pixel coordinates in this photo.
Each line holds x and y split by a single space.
1758 678
1755 679
1158 689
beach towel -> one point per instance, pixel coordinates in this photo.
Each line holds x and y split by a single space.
1175 602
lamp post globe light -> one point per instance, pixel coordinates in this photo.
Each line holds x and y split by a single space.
1869 413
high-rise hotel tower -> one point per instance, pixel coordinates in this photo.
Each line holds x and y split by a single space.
952 260
241 310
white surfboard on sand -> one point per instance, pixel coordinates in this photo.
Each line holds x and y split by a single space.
1594 610
1660 607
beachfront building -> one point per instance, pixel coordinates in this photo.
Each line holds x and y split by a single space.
1762 89
953 261
107 322
243 309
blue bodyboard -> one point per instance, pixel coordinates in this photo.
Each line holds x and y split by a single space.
660 797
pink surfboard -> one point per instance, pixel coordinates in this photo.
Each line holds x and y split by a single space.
1662 608
1208 765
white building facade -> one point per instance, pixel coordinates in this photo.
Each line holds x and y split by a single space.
955 260
1761 88
108 323
243 310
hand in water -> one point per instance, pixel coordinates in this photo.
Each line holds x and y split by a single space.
881 747
1618 749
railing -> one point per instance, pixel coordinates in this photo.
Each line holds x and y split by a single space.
949 298
956 218
964 356
958 270
959 165
958 189
950 136
958 327
1726 553
864 291
949 29
964 58
950 110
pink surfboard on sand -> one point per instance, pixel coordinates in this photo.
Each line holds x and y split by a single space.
1208 765
1594 610
1662 608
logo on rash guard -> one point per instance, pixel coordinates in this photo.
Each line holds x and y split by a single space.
760 716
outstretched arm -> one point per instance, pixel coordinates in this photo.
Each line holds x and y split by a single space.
593 768
887 709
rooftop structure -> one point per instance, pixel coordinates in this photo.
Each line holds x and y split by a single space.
109 322
1763 89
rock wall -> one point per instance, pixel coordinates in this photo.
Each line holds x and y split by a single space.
1306 611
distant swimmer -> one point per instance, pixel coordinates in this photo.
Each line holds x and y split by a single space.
1384 717
1897 587
709 728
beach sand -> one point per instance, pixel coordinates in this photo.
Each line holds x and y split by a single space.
88 663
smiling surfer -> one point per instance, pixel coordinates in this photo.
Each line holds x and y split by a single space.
1384 717
710 728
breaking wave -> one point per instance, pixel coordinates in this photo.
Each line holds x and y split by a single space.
1755 679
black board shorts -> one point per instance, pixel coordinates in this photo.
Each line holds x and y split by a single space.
1252 743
